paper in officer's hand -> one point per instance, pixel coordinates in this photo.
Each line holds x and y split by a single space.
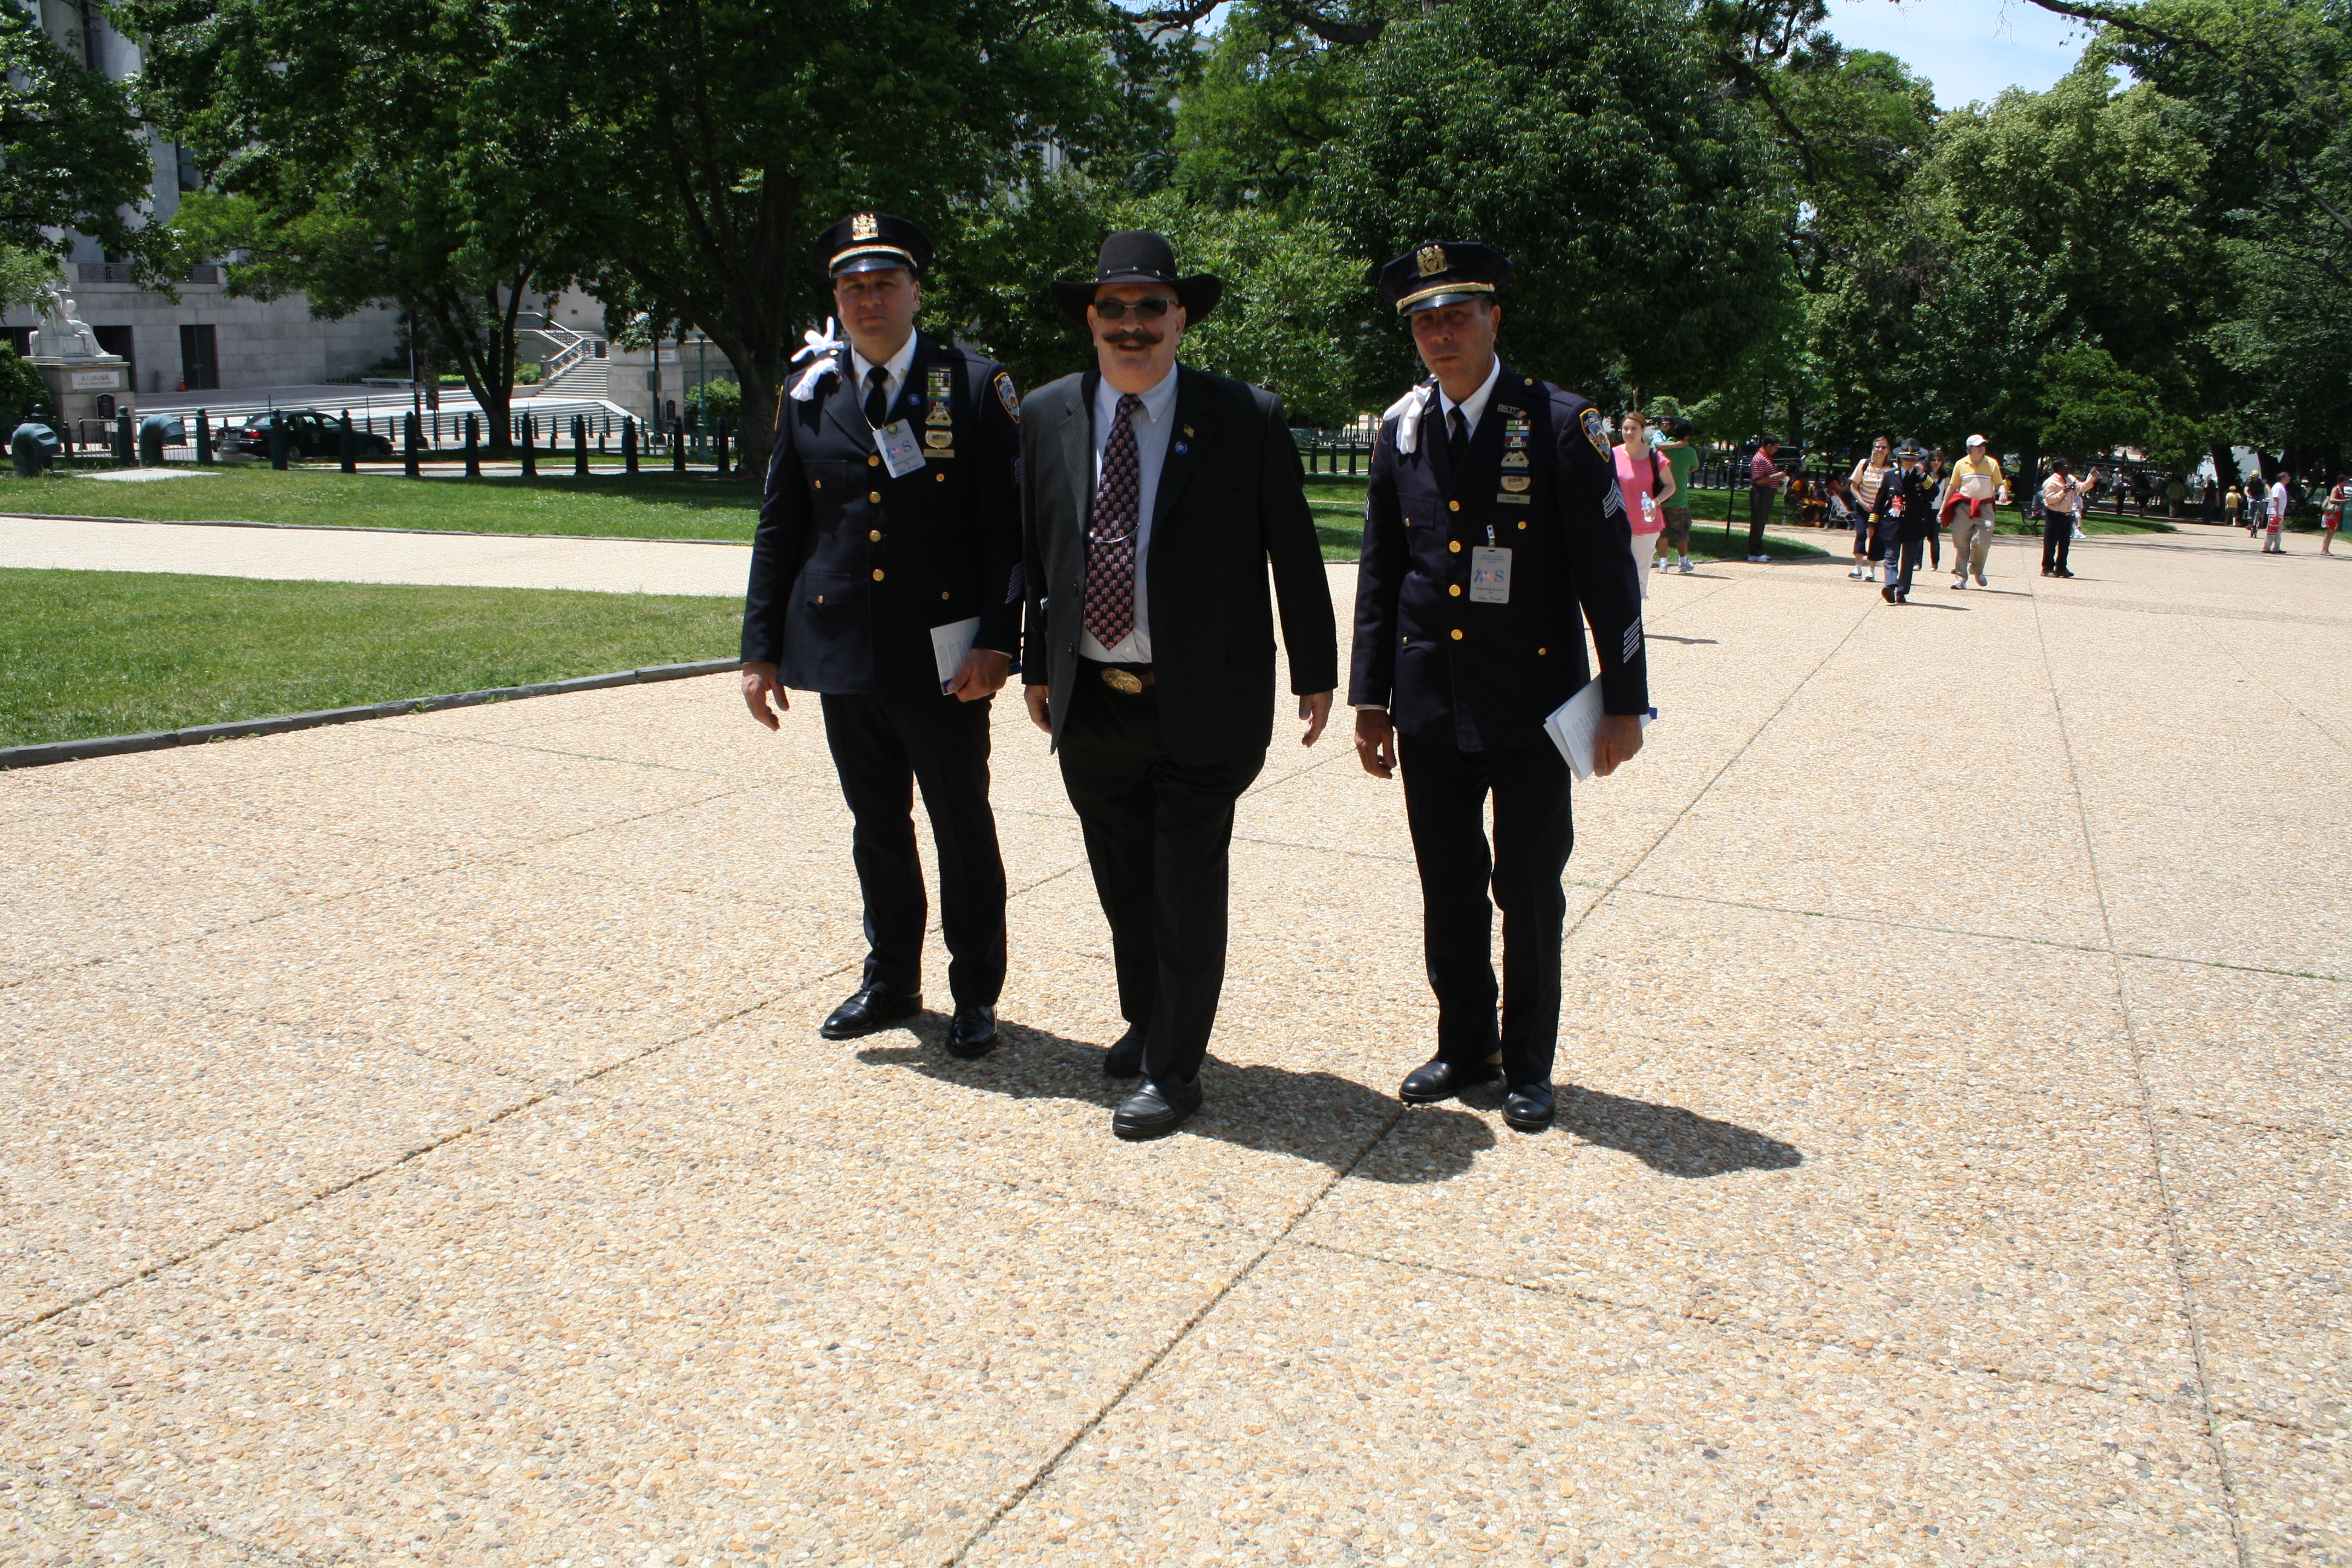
950 644
1575 724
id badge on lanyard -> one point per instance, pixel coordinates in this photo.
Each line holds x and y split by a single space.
902 453
1490 573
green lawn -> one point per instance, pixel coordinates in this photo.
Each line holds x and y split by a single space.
651 506
111 653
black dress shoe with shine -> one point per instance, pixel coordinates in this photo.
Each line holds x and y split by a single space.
1125 1060
1529 1107
875 1006
1156 1110
1440 1080
972 1032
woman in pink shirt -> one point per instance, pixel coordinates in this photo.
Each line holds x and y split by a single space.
1646 481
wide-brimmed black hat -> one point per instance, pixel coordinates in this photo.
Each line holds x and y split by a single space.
1140 256
1443 272
871 242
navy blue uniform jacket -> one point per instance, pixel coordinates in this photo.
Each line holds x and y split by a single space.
851 569
1916 491
1484 677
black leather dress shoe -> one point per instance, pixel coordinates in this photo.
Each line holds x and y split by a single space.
1442 1079
1155 1109
1529 1107
972 1032
1125 1060
875 1006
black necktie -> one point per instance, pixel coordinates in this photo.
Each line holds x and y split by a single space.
1457 444
878 397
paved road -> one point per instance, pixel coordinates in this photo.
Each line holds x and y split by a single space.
367 555
418 1148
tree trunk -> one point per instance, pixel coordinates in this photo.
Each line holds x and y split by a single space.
2225 466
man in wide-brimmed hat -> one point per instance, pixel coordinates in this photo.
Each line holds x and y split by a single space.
1153 495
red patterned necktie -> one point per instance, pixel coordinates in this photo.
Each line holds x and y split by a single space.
1110 543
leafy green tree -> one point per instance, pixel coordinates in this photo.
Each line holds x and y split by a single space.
23 394
71 154
1588 140
1270 97
713 139
364 161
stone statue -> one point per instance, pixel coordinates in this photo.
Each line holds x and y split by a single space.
63 335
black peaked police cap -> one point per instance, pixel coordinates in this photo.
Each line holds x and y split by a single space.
1140 256
871 242
1443 272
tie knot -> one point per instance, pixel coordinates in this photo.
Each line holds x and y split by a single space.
1128 403
877 375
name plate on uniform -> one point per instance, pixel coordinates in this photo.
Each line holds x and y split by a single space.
1490 575
902 454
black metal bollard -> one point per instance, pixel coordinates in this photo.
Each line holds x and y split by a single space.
579 446
530 450
677 447
204 440
473 447
123 449
410 438
150 442
276 442
347 440
629 444
719 452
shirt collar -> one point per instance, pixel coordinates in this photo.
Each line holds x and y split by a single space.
1474 407
1157 400
895 367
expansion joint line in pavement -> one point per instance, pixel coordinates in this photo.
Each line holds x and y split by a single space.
1151 1363
2177 1247
2205 625
243 1549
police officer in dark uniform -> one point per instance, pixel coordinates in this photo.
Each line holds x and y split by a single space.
1493 518
1905 513
885 576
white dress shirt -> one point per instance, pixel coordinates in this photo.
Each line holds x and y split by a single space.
894 370
1153 422
1474 407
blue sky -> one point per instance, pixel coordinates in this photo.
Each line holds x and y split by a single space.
1970 50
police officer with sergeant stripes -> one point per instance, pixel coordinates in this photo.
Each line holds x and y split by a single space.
891 528
1493 531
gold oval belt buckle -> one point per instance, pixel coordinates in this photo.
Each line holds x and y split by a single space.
1125 680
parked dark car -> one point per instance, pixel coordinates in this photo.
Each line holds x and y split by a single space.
309 434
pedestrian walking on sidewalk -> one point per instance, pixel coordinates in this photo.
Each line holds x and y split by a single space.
1765 480
2331 514
1907 515
1680 448
1869 473
1977 487
2233 507
2062 503
1645 480
2273 538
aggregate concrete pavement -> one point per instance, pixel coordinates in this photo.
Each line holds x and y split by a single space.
419 1148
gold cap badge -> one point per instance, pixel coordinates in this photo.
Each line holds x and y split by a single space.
863 226
1432 258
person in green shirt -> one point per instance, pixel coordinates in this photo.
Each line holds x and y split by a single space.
1681 452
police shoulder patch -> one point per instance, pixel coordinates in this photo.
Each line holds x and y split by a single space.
1596 429
1007 395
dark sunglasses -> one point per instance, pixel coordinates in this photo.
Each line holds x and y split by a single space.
1150 310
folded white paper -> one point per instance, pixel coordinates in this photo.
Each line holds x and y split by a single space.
1575 722
949 643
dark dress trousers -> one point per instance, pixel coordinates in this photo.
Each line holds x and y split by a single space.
850 570
1468 683
1154 773
1908 526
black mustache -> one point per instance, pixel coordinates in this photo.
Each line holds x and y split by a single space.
1131 339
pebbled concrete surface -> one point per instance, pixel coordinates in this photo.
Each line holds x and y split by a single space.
416 1145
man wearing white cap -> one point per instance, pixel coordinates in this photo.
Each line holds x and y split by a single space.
1979 484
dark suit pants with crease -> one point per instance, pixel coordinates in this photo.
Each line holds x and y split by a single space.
1157 835
1446 793
882 748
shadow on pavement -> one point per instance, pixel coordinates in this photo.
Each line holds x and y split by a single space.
1669 1139
1317 1116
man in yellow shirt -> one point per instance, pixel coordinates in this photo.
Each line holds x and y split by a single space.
1978 481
